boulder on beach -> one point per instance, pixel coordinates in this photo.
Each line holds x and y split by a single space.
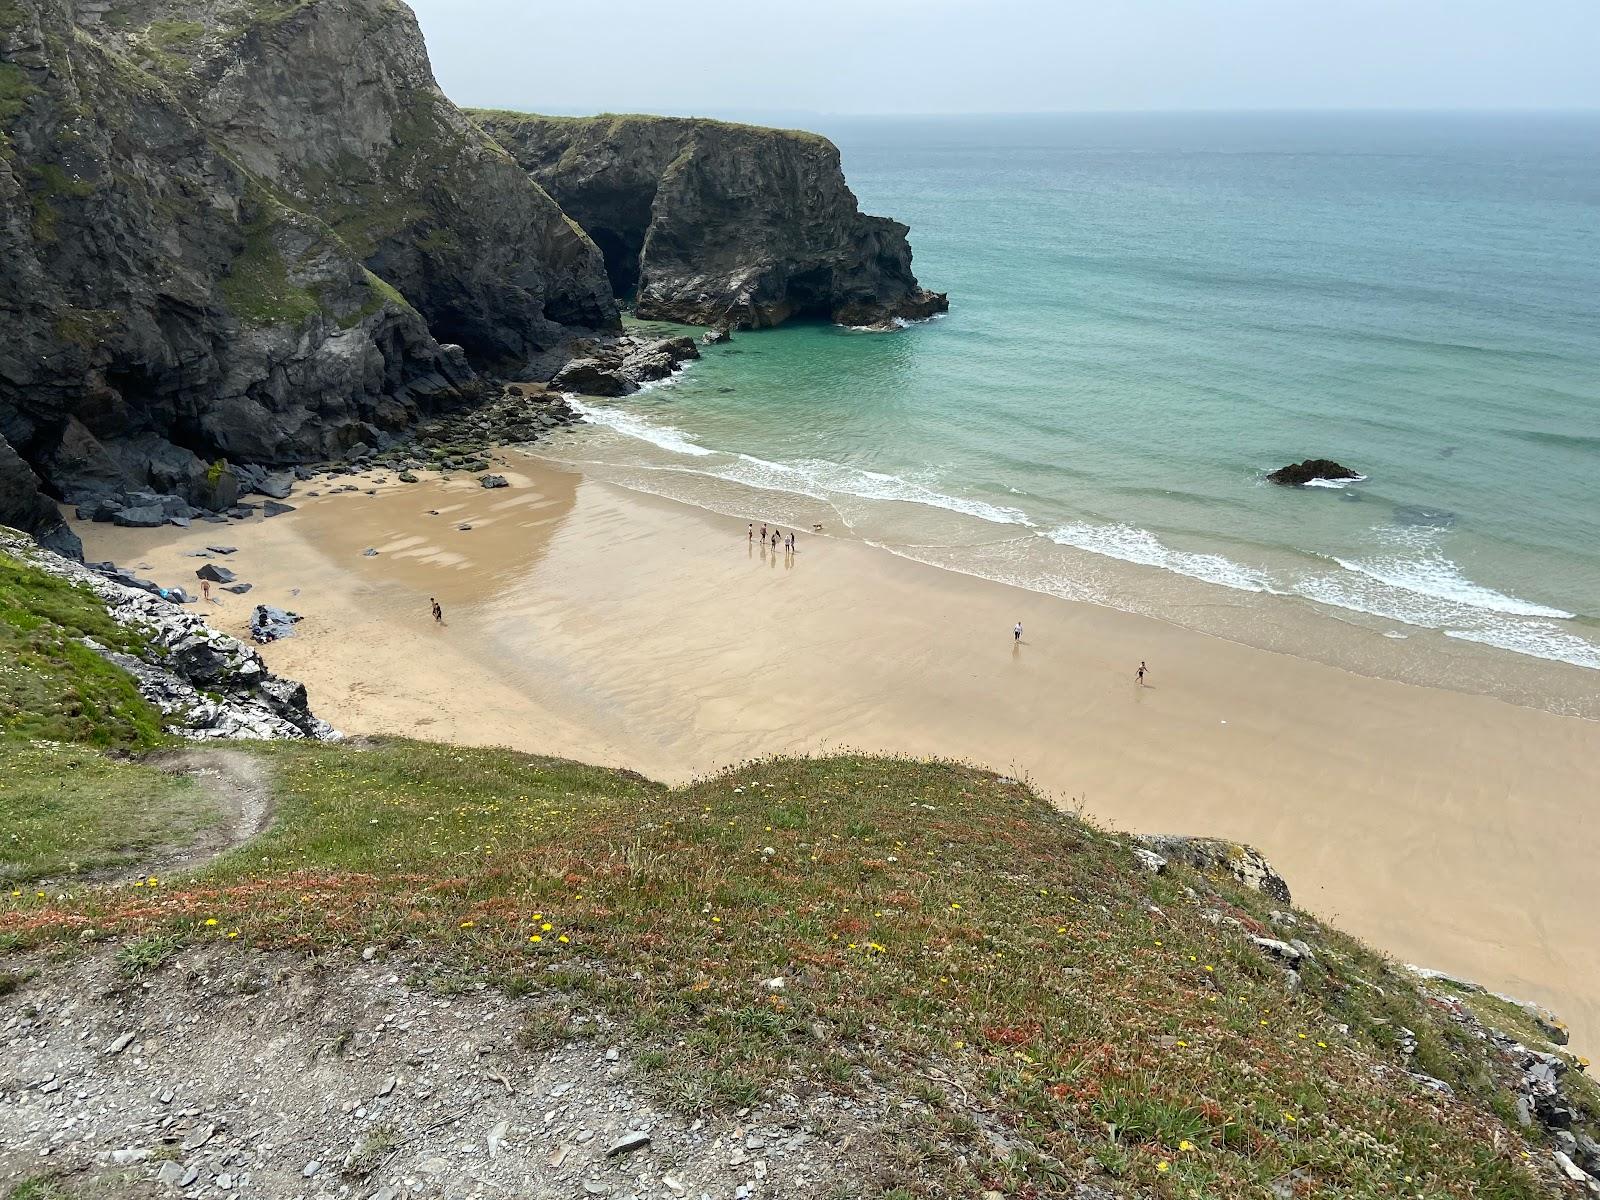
1312 469
494 481
215 574
268 624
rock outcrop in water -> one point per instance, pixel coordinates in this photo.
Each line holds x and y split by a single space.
1301 473
719 224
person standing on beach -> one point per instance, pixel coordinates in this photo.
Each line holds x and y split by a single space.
1140 673
752 535
205 590
438 613
1016 634
763 533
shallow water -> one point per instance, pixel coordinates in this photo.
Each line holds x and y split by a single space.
1150 312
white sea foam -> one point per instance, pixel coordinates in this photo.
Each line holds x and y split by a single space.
633 425
1335 483
1430 573
1536 638
1135 545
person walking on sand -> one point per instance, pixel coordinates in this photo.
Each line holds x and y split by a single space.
752 534
763 533
205 590
1140 673
438 613
1016 634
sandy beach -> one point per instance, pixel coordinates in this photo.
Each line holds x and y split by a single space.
584 620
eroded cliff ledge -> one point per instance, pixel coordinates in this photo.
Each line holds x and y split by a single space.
720 224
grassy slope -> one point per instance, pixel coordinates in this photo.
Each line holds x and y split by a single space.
1045 1007
69 810
51 686
66 809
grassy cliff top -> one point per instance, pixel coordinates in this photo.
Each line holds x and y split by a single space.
621 123
1045 1007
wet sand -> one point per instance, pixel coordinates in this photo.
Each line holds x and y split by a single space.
1455 831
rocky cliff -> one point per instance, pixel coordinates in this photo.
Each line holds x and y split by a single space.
164 307
713 223
333 103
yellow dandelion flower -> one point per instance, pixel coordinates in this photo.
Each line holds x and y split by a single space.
1322 1045
547 927
1186 1145
152 881
1289 1117
535 939
233 933
1182 1044
210 921
716 920
1210 970
562 939
468 924
1163 1167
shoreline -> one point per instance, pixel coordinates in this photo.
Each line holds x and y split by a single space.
973 538
588 621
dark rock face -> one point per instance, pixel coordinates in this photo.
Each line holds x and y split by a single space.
24 507
719 224
164 310
620 366
1302 473
335 104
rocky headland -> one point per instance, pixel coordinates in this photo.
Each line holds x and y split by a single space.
713 223
237 235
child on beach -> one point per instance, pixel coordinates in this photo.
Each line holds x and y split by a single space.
1140 673
438 613
1016 634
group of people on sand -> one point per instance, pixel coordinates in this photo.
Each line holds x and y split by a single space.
1016 640
777 537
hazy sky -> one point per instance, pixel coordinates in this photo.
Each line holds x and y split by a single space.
945 56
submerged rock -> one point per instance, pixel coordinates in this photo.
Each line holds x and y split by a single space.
1430 518
1312 469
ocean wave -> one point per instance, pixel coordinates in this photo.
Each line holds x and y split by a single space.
632 425
1135 545
1337 484
825 480
1432 574
1536 639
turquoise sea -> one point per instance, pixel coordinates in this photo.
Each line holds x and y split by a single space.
1148 312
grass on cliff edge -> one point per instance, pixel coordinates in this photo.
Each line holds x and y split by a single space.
54 688
68 810
1044 1007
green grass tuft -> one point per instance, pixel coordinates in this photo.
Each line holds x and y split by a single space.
53 688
